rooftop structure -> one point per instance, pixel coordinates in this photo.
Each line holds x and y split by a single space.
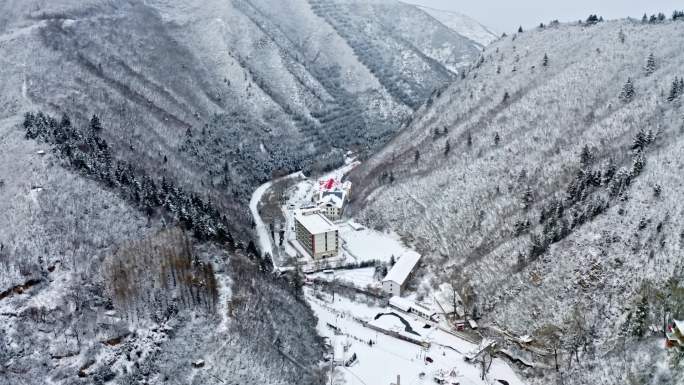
314 222
396 278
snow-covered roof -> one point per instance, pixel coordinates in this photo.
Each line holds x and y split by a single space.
333 186
314 222
406 305
400 303
332 199
403 267
679 325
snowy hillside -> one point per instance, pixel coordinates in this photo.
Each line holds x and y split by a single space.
462 24
549 179
176 81
120 121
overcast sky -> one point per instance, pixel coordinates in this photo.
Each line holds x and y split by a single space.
507 15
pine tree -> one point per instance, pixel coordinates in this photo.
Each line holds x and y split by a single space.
520 29
497 139
638 164
640 317
469 139
95 125
505 97
674 90
650 65
545 60
644 19
627 93
640 141
621 36
447 148
586 156
416 156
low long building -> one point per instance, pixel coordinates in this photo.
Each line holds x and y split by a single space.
316 234
396 279
408 306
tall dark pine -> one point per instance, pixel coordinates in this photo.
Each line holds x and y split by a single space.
95 125
520 29
627 93
674 90
545 60
650 65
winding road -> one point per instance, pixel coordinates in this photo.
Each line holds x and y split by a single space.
264 241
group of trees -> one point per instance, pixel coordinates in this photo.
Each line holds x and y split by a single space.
155 277
593 19
87 152
659 18
584 199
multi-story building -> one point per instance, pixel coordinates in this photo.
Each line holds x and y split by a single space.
316 234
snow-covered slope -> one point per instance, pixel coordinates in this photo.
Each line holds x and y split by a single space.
205 97
550 178
181 80
462 24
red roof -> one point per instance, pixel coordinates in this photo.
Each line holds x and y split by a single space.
329 184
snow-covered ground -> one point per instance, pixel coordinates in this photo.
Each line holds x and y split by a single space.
368 244
380 362
387 357
361 278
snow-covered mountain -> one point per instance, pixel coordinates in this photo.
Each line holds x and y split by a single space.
197 102
180 78
550 180
462 24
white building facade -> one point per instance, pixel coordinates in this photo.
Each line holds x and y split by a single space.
395 280
316 234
